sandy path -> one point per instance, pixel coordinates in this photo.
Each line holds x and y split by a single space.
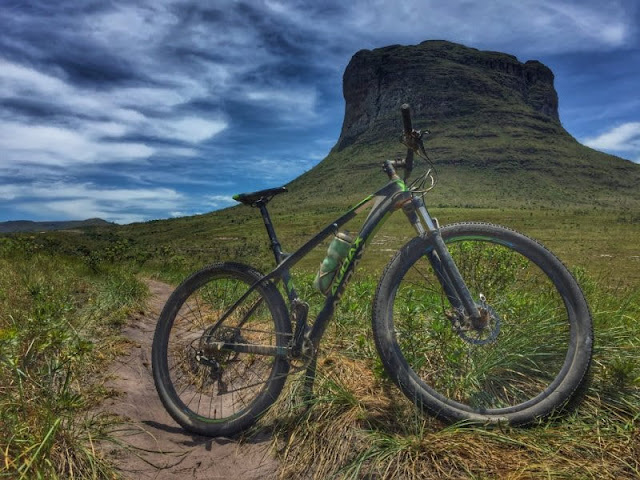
164 450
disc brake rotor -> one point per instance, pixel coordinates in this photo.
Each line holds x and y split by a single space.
482 331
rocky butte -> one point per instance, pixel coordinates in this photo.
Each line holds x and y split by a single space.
443 81
496 136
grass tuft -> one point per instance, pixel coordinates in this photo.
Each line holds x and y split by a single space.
358 424
56 330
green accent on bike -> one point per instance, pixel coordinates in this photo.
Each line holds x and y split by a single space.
362 202
402 185
351 255
336 253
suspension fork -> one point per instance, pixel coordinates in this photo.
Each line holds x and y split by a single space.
443 265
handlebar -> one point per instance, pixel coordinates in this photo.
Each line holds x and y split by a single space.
412 139
406 119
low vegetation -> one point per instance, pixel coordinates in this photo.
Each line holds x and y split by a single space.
59 321
63 295
358 424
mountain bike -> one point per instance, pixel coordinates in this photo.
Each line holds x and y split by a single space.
473 322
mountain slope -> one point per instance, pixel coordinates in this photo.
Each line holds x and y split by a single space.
496 136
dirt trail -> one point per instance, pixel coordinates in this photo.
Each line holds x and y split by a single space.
163 450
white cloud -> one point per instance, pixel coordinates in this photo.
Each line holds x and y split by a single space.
532 26
138 26
608 28
123 109
220 201
149 97
190 129
16 79
180 152
75 190
82 209
52 145
24 83
273 169
291 103
623 138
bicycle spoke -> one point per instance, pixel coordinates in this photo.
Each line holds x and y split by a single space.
530 346
221 384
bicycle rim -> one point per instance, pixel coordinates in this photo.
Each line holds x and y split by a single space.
220 386
515 358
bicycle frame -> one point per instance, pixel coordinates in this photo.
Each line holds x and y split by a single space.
393 196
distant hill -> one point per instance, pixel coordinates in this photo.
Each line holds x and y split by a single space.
29 226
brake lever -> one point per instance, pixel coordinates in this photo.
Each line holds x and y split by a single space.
414 141
420 143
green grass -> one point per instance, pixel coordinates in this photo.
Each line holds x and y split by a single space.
359 425
57 320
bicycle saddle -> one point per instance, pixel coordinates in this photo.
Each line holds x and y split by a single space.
261 196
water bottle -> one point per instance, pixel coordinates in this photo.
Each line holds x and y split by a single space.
338 249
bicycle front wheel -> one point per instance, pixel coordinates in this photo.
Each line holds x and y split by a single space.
524 360
206 383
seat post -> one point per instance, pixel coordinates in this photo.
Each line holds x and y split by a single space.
275 245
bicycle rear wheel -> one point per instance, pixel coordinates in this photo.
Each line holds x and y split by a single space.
528 356
218 391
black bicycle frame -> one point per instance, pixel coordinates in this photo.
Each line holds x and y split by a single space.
393 196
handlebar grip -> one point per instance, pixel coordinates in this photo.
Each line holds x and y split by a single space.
406 118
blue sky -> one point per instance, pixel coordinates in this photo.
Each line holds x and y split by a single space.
132 111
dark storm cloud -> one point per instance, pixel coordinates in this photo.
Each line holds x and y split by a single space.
50 35
31 108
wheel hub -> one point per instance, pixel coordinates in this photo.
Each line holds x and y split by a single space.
477 331
209 351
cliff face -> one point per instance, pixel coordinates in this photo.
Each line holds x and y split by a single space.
442 81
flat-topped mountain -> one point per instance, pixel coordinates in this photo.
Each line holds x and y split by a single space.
442 81
496 136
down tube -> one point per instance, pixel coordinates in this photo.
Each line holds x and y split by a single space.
375 220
